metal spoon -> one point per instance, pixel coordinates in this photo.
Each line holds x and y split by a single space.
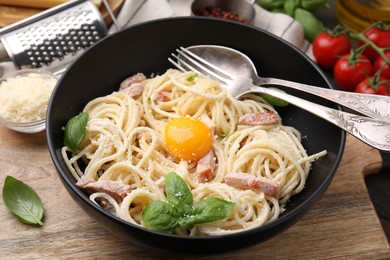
237 63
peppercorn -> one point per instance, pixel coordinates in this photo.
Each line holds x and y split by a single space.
220 13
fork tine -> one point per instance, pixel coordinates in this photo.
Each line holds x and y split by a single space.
177 65
191 61
184 66
205 63
191 64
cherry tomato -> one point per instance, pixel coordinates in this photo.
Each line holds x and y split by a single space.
327 49
350 70
380 62
371 85
381 38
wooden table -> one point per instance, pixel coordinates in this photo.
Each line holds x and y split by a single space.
12 14
343 225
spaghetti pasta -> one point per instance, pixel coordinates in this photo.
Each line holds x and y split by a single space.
125 142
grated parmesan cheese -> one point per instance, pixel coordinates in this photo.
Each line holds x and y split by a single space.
24 98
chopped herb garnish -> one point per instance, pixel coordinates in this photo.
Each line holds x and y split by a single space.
223 136
149 100
192 77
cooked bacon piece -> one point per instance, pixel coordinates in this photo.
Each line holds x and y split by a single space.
84 180
132 85
245 180
116 189
162 96
107 206
134 90
136 78
259 118
205 167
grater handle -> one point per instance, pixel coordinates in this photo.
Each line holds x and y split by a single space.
111 13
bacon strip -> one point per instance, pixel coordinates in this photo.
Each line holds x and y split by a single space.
259 118
107 206
245 180
205 167
116 189
133 90
162 96
132 85
84 180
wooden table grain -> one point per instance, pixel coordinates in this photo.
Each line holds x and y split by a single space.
12 14
343 225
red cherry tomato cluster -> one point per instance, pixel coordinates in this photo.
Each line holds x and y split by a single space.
360 62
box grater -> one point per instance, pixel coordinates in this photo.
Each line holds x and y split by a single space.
54 37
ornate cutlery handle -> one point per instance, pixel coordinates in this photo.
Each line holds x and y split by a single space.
373 132
375 106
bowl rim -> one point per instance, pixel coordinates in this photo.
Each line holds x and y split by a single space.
283 218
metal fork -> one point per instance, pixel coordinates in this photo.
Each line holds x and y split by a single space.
373 132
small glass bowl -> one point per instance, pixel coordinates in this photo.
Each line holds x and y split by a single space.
26 127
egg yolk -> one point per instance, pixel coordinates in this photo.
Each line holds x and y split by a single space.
187 138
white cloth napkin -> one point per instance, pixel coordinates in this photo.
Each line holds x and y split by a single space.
137 11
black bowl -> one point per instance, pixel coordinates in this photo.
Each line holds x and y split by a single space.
145 48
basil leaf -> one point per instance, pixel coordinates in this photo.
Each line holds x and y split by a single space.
179 210
273 100
212 209
22 201
75 131
178 193
159 216
311 25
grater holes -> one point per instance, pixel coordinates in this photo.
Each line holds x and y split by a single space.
60 36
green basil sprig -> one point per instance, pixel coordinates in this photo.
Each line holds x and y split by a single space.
180 210
22 201
75 131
